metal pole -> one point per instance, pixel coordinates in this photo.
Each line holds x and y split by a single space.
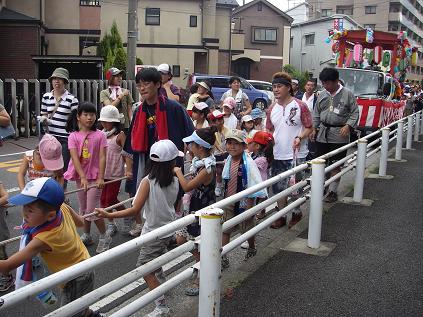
409 133
210 248
400 135
316 203
417 127
132 38
360 169
384 152
421 123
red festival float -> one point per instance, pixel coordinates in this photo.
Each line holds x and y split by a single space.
373 64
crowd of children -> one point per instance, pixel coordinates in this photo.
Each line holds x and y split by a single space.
230 150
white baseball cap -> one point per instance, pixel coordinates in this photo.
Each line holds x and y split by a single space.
201 105
246 118
164 68
164 151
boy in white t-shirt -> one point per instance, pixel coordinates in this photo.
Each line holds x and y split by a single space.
291 123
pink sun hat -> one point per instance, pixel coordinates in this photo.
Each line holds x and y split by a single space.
51 153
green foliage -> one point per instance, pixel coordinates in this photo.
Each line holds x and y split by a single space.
120 59
295 73
139 61
111 49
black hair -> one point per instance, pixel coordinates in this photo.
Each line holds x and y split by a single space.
243 125
208 135
234 78
44 206
149 74
193 89
208 82
162 172
267 151
72 122
285 76
118 127
311 81
205 111
329 74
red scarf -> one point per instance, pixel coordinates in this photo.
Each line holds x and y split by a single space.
139 134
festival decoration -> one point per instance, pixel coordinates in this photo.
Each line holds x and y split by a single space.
348 58
386 59
358 53
369 35
414 57
378 54
370 57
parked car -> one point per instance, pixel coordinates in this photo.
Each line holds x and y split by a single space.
263 86
220 84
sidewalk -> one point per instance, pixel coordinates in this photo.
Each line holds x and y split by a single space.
375 269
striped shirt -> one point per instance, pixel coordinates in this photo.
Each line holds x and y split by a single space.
68 102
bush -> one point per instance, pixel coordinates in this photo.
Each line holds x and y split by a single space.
295 73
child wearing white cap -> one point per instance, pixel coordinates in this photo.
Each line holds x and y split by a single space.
247 125
231 121
199 115
156 196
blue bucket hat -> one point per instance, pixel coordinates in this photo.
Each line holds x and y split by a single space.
256 113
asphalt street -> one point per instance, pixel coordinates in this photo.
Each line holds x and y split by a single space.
375 269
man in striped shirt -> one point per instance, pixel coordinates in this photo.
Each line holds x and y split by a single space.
56 107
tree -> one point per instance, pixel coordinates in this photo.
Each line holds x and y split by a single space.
111 49
295 73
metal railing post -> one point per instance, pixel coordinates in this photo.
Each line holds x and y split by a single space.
421 122
409 140
384 152
37 103
210 248
316 203
398 146
14 109
360 169
25 108
417 127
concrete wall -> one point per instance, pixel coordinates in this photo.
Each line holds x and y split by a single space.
62 14
299 14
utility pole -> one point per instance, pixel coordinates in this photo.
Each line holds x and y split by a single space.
132 38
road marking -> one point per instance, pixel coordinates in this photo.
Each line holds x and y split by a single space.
11 166
14 189
12 154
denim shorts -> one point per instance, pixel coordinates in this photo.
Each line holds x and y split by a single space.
280 166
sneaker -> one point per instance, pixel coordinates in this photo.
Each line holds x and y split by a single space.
279 223
36 262
218 191
160 276
296 217
331 197
97 314
250 253
160 310
225 262
111 229
127 225
87 239
6 282
245 245
136 231
103 244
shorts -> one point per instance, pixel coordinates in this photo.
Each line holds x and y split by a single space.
228 213
324 148
280 166
4 233
88 200
152 250
109 194
76 288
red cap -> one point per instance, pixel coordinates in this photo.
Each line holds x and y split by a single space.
215 115
262 137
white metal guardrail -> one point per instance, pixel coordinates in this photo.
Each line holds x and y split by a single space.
212 228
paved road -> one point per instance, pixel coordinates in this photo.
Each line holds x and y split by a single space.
375 270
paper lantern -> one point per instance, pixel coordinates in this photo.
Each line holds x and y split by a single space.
386 59
349 58
370 57
358 53
378 54
414 59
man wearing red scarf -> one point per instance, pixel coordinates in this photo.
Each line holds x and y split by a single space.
156 118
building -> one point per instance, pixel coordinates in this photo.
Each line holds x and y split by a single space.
300 12
389 16
309 50
262 31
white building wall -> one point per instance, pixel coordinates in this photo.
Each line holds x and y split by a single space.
299 14
313 58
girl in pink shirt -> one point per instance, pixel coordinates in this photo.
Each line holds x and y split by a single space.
87 147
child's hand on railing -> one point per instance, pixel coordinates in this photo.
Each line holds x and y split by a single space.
100 183
100 212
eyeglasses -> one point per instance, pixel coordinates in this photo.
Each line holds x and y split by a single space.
143 84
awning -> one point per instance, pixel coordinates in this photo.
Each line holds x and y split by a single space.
252 54
67 59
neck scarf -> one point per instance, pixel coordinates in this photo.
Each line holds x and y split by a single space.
139 134
207 163
109 133
29 233
115 91
242 181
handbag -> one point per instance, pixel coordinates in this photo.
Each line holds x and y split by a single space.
6 132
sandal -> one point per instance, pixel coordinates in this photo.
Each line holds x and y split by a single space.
261 214
194 289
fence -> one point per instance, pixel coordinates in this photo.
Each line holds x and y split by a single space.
22 98
210 218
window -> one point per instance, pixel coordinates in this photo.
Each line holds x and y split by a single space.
370 9
309 39
326 12
264 35
348 10
193 21
176 70
259 6
91 3
393 27
152 16
370 26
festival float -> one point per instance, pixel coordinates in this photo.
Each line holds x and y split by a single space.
373 64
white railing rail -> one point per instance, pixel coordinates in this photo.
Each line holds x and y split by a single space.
212 228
